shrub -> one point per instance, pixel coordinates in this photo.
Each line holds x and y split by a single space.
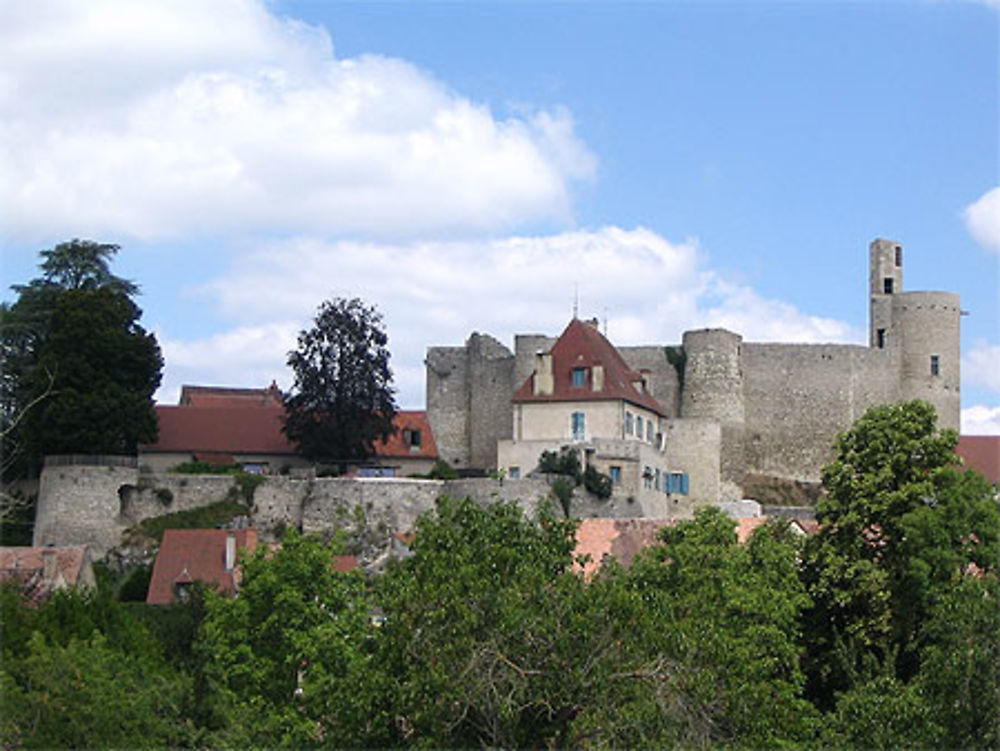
565 462
563 492
597 482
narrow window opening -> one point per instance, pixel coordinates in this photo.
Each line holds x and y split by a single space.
616 475
887 285
514 473
935 365
578 426
880 338
899 256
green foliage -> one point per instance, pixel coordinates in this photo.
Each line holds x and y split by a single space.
728 615
248 484
442 471
564 462
89 694
562 491
342 398
901 525
79 372
286 657
677 357
212 515
959 675
883 713
135 587
597 482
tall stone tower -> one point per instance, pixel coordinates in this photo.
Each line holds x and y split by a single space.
921 330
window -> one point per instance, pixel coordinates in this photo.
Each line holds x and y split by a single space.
899 256
579 427
579 377
647 477
376 471
649 430
887 285
628 423
880 338
411 438
935 365
678 482
514 473
616 475
638 426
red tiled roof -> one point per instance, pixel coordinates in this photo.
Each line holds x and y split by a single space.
395 445
981 453
622 539
224 396
344 563
27 565
221 430
582 345
257 429
195 555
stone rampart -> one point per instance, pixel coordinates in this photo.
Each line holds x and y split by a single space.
800 396
95 505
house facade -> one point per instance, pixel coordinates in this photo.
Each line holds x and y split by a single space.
583 395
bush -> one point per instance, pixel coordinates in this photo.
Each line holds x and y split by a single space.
206 468
210 516
597 482
563 492
565 462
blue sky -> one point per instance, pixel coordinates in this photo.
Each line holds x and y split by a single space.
467 166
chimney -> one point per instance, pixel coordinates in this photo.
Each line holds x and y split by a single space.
597 374
544 384
230 551
50 565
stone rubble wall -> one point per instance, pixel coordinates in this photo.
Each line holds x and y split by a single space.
95 505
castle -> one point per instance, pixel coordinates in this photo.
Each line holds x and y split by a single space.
702 418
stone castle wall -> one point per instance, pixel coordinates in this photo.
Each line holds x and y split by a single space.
95 505
799 397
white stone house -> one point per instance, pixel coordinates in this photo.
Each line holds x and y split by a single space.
582 394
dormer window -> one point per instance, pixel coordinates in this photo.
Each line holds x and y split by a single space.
579 376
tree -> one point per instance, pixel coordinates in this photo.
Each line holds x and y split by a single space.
79 372
342 398
286 658
901 525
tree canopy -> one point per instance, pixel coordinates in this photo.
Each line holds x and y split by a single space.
79 371
342 400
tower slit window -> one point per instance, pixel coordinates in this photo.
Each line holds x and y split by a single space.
935 365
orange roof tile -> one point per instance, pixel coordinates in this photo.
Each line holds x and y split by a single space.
188 555
582 345
981 453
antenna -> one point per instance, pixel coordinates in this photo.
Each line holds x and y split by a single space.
605 321
576 300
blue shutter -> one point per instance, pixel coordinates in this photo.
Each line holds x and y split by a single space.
685 484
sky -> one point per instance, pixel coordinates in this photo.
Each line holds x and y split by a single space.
487 166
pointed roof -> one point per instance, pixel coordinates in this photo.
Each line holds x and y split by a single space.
582 345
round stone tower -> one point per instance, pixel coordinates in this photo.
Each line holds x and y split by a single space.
919 329
713 390
927 327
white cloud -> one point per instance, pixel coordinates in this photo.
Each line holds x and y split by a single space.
981 420
147 119
982 219
248 355
981 366
435 293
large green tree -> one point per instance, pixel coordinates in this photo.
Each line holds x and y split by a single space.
342 398
901 525
78 371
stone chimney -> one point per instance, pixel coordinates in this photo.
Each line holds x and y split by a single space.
50 565
230 551
544 384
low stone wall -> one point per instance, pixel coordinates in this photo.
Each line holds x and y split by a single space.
95 505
